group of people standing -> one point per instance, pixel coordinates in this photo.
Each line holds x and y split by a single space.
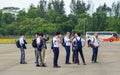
40 48
39 44
77 43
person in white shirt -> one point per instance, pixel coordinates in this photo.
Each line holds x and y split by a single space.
67 41
39 50
79 43
36 55
56 43
22 49
95 45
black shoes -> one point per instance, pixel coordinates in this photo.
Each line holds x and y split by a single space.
94 62
68 63
57 66
37 65
84 64
43 65
23 63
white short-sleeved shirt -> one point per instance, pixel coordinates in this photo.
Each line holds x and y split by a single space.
21 40
38 40
88 39
95 41
55 42
67 41
78 38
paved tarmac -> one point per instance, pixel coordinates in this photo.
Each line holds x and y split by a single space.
109 62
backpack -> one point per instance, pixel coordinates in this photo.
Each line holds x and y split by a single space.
34 43
78 44
63 42
18 44
91 45
51 43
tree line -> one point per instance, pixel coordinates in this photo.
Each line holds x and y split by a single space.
49 17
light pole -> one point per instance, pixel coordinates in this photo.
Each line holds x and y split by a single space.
84 26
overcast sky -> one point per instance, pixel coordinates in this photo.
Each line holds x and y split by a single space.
25 3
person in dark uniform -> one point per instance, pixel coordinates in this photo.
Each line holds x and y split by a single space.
88 41
79 43
73 54
74 51
44 47
56 42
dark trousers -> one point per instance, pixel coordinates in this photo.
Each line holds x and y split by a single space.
56 55
77 55
40 61
73 56
22 59
95 53
89 43
67 48
36 56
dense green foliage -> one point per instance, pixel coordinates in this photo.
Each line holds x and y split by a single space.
50 17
